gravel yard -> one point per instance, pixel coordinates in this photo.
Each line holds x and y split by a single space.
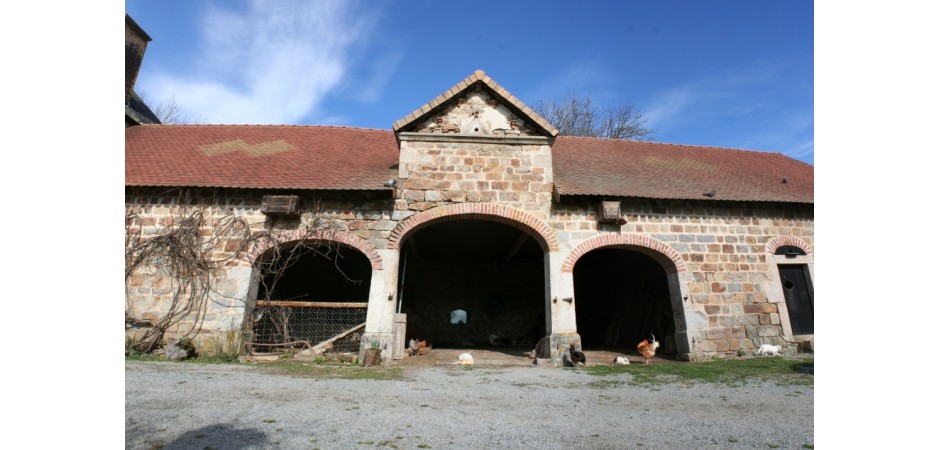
204 406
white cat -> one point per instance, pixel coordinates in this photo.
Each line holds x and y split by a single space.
771 349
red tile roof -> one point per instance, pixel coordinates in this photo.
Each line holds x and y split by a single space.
342 158
259 156
592 166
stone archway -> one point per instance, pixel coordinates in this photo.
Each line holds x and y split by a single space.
626 288
538 229
311 290
486 261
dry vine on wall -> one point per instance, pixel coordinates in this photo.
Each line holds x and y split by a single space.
191 250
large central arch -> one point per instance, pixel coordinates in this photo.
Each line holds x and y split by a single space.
539 230
485 263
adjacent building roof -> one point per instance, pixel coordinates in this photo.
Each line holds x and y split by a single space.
621 168
137 112
259 156
477 78
343 158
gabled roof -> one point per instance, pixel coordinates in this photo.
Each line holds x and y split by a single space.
259 156
621 168
478 78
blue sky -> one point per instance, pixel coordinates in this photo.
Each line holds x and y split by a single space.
733 74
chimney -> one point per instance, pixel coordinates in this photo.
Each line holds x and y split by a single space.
135 44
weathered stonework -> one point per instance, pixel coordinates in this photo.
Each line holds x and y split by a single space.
476 154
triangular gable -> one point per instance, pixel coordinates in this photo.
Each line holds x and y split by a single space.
476 106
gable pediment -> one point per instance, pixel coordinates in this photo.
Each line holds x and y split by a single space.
476 106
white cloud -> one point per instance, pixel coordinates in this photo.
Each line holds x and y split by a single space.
748 104
381 71
576 77
272 63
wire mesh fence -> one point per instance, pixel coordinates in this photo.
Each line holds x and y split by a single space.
297 324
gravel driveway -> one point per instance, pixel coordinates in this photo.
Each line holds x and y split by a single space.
201 406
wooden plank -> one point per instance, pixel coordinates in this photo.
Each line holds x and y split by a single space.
312 304
400 323
337 337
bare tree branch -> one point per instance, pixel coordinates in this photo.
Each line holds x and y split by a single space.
581 116
196 244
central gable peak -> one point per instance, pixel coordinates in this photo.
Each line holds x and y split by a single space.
476 105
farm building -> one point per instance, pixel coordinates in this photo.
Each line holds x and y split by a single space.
471 222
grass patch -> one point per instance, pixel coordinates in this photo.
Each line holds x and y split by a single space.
604 384
313 370
196 360
732 371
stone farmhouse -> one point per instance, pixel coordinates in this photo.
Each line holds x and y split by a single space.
472 222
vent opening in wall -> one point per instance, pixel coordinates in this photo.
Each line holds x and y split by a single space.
280 205
790 251
609 212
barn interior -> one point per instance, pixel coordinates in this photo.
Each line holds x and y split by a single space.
466 284
621 298
312 293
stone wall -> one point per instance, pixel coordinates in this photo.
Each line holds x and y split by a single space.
360 220
511 171
718 255
733 302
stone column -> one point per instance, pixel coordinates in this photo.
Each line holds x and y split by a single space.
383 300
690 321
561 323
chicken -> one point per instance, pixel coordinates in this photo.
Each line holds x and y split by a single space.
577 358
647 348
423 347
464 359
572 357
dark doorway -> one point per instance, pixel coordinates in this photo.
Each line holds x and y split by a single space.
309 293
798 292
492 272
322 273
621 297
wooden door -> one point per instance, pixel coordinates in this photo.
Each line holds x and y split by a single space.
798 292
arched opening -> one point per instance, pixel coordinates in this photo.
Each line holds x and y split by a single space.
622 297
311 293
473 283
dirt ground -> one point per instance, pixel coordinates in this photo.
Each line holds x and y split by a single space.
514 356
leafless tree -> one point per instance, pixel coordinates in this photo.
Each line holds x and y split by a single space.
577 115
170 112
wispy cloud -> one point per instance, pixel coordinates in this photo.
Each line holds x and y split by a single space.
745 103
380 72
575 77
269 62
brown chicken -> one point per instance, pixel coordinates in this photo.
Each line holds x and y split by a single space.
647 348
423 347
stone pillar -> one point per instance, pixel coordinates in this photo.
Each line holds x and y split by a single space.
383 301
561 323
690 321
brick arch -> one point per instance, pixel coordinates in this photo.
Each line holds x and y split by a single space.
668 258
542 233
780 241
351 240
